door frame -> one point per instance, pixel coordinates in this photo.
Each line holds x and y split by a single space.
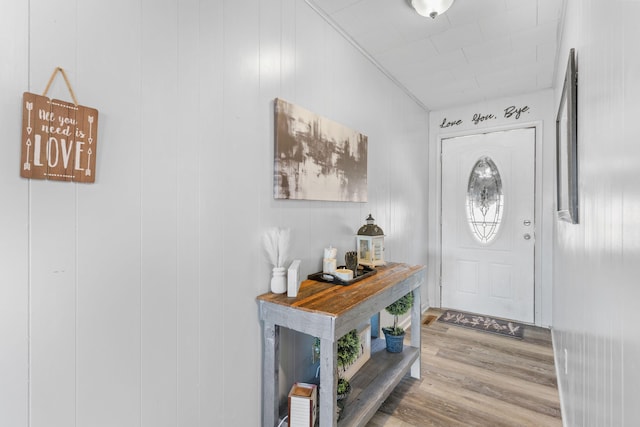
435 227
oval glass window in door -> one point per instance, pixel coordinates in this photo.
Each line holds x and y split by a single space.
485 200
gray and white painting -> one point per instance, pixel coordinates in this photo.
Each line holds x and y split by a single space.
316 158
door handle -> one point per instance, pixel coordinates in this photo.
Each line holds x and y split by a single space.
527 236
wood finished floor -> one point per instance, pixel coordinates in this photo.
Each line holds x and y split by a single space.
473 378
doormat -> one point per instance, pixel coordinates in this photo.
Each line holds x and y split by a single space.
483 323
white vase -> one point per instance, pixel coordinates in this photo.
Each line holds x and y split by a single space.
278 281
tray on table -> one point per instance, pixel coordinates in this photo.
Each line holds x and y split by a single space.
362 272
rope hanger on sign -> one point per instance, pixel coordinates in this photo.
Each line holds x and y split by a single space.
66 80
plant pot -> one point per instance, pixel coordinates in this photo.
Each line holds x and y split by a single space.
340 408
395 343
342 400
341 404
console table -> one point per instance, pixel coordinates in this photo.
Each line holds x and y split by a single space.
328 312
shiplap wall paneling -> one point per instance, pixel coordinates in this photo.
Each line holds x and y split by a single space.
211 198
238 141
53 234
161 141
14 211
108 219
311 65
628 371
407 188
188 173
270 68
596 271
276 78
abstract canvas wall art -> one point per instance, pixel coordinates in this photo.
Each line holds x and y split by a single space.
316 158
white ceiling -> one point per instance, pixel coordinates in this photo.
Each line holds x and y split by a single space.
477 50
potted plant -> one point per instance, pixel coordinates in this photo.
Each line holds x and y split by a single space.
343 390
394 336
348 349
347 352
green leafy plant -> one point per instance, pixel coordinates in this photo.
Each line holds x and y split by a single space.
398 308
348 348
344 386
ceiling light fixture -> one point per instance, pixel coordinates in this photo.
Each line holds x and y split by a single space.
431 8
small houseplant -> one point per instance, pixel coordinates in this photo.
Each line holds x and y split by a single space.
394 335
343 389
348 348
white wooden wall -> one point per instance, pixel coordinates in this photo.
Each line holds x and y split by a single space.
131 302
596 268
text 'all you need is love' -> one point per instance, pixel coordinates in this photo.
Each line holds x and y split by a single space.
59 140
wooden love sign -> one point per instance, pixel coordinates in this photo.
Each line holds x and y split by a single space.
59 138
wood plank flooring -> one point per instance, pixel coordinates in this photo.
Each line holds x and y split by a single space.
473 378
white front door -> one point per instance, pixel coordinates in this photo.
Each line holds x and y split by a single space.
488 195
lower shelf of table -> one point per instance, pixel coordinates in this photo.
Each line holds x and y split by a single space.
375 380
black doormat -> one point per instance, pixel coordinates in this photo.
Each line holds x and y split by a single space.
483 323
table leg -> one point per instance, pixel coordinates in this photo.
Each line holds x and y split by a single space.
270 374
416 341
328 383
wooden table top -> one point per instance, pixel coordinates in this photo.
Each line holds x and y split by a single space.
334 300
